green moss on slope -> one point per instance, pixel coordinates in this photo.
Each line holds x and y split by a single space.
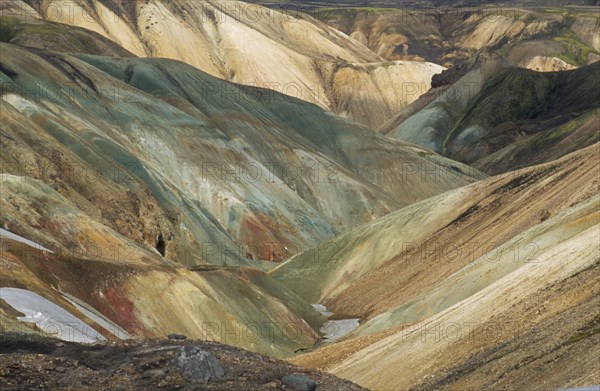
9 28
518 94
577 51
57 36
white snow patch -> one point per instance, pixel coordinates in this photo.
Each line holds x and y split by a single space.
20 103
323 310
335 329
9 235
97 317
48 316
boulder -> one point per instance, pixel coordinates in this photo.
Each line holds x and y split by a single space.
177 336
299 382
197 364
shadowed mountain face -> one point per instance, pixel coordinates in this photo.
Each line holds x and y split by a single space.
497 117
527 112
291 53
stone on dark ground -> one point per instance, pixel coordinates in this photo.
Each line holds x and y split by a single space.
35 363
299 382
177 336
197 364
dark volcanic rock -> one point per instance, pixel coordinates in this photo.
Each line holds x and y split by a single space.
197 364
177 336
145 365
299 382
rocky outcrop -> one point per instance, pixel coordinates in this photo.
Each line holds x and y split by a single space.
42 362
299 382
197 364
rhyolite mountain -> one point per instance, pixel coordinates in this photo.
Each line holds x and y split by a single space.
533 35
222 163
291 53
490 286
162 191
149 187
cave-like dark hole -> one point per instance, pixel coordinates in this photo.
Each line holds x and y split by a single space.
160 245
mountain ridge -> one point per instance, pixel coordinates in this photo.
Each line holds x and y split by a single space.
242 41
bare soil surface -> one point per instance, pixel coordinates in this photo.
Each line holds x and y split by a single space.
33 362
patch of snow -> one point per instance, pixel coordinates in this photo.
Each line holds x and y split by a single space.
335 329
48 316
9 235
323 310
97 317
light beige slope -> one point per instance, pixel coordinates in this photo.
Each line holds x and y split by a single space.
503 297
490 29
546 64
253 45
543 55
588 30
216 37
488 215
377 91
430 351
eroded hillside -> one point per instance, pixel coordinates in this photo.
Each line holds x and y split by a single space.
153 194
498 117
151 188
534 36
293 54
200 147
494 285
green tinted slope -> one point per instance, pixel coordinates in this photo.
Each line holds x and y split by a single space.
56 36
519 102
496 109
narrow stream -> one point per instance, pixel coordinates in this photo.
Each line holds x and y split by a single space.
335 329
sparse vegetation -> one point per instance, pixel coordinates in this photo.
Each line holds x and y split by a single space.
577 51
590 330
79 41
9 28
